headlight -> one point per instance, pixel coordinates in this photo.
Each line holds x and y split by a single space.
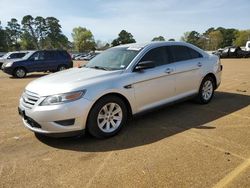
62 98
8 64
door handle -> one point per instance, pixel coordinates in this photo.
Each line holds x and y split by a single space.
199 64
169 70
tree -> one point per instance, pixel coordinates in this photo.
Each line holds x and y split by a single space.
29 27
193 37
124 37
13 31
184 38
215 40
242 37
41 30
27 41
54 37
3 42
160 38
83 39
101 45
229 35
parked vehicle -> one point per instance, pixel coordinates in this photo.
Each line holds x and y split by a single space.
247 46
76 56
80 57
12 55
121 81
232 52
38 61
90 56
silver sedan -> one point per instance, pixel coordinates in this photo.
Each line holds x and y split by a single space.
120 82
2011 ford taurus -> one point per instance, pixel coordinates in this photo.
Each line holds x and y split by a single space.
122 81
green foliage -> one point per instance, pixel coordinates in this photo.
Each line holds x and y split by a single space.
215 39
45 33
13 33
83 39
3 41
242 37
184 38
212 38
194 38
160 38
54 37
124 37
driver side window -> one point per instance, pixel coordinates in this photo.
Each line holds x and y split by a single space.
158 55
38 56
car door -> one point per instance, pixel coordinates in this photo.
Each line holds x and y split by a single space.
154 86
36 62
51 58
188 69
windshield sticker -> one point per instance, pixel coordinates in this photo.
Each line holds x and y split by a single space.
134 48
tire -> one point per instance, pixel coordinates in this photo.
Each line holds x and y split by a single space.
61 67
19 72
102 123
206 91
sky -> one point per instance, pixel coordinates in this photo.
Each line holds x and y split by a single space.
145 19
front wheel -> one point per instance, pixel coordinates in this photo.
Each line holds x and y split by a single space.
19 72
107 117
206 91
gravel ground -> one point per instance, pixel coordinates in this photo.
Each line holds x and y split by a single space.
184 145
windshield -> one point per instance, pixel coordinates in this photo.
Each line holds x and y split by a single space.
113 59
28 55
6 55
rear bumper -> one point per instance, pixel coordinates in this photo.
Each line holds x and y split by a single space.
218 77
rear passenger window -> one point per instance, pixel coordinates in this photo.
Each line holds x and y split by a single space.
20 55
50 55
194 54
159 56
182 53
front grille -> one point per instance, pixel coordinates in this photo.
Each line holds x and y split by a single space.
29 99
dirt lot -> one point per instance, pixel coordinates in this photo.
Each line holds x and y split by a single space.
185 145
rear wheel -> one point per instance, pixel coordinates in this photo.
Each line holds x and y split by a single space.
206 91
107 117
19 72
61 68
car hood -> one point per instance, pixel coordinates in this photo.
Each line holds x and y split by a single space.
69 80
5 61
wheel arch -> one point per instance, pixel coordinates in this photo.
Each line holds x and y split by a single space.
213 77
122 97
14 70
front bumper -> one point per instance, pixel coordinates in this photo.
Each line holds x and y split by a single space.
44 119
7 70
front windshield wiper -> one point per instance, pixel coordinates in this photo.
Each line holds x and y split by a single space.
99 67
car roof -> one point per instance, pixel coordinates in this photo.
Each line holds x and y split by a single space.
23 51
153 44
140 46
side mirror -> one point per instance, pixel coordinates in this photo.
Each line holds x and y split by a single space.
144 65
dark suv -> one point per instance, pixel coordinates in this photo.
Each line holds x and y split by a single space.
38 61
